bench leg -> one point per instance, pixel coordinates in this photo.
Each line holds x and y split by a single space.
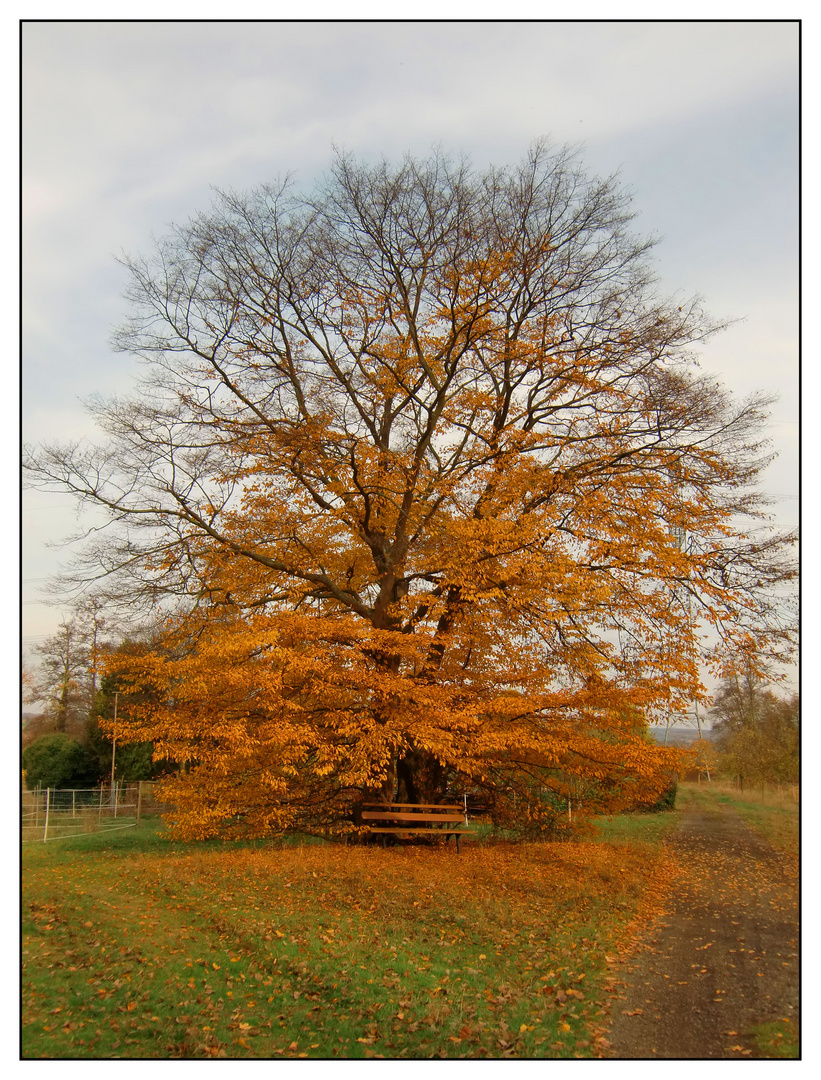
458 844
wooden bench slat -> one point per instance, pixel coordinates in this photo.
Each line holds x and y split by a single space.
419 806
378 815
430 832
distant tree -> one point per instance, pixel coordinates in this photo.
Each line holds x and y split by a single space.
58 761
756 731
409 470
34 726
29 692
34 723
68 673
699 758
90 618
705 757
61 681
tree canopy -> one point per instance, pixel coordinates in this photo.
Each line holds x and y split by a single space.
408 471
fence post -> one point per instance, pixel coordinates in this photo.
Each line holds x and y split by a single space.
73 797
45 825
139 799
100 812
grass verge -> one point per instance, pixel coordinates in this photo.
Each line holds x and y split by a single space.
778 1039
138 947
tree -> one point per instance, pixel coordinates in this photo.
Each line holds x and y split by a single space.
57 761
756 732
70 667
89 614
28 684
61 681
132 760
407 473
34 724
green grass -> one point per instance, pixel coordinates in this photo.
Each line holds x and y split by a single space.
151 834
776 1040
649 829
135 945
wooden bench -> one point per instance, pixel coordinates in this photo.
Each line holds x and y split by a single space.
399 818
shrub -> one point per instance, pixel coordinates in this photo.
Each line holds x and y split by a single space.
666 800
57 761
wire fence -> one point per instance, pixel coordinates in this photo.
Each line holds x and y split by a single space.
787 795
61 813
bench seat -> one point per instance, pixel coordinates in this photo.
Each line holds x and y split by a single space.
399 818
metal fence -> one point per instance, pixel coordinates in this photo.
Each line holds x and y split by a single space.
61 813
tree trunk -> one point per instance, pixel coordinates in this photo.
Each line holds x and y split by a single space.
62 709
421 778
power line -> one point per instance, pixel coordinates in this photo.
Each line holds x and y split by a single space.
56 506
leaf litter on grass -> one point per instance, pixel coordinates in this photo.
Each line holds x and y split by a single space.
329 951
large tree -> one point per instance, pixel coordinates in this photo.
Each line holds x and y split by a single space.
409 470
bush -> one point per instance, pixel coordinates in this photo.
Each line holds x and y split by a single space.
666 801
57 761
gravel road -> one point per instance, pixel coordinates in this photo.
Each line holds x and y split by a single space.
724 957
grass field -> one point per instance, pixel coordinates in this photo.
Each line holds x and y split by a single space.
138 947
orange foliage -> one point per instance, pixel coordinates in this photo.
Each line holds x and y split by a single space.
287 721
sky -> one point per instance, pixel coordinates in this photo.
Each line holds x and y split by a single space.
127 127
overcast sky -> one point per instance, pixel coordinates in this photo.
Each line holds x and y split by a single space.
127 127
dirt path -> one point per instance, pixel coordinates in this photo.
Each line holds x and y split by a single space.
724 957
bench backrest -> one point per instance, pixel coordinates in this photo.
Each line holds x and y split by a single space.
412 812
412 806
